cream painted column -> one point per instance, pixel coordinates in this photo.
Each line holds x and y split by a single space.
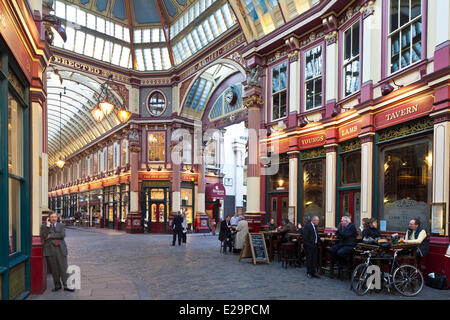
294 82
330 186
441 162
35 145
371 31
176 182
367 166
293 184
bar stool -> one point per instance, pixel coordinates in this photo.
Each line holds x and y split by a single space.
288 254
276 249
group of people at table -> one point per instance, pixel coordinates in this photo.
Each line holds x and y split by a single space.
234 230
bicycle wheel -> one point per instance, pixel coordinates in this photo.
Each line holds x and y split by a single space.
359 280
408 280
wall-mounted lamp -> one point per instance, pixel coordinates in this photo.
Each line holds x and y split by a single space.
387 88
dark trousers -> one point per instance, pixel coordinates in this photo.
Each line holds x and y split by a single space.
180 235
58 268
312 254
340 252
184 236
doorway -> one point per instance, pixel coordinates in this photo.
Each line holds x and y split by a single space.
155 209
351 205
279 206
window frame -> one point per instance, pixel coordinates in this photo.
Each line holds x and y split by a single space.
271 94
342 63
148 147
303 110
147 101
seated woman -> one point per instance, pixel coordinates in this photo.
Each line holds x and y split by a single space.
371 230
272 225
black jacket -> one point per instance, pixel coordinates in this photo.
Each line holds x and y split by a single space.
287 228
371 232
347 236
224 232
309 235
177 223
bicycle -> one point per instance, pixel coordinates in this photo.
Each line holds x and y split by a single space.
406 279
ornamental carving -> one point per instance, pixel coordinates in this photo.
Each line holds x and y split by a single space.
134 148
331 37
254 76
236 56
351 145
293 56
253 100
406 129
312 153
367 9
134 135
349 14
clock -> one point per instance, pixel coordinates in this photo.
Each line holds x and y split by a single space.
230 96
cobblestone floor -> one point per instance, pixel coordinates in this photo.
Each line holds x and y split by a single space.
116 265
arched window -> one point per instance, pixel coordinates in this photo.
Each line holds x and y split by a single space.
156 104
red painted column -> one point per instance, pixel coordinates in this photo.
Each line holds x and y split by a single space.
134 218
253 102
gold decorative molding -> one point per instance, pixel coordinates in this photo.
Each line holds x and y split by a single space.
367 9
15 82
350 145
406 129
312 153
331 37
253 100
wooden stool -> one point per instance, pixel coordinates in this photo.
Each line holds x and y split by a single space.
276 249
288 255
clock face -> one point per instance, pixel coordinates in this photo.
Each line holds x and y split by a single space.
230 96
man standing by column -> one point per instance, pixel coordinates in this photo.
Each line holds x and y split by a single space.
177 227
55 250
311 245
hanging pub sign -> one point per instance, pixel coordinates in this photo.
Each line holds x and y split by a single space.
312 141
404 112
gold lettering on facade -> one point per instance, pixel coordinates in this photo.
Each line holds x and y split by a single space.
402 112
347 131
312 140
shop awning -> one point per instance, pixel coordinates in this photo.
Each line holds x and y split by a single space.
215 191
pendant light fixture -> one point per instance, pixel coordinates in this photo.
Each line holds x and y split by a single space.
60 163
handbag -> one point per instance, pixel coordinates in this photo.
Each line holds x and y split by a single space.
436 281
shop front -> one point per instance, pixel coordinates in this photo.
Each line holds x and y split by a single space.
214 197
155 204
278 191
111 197
124 207
83 204
94 208
187 202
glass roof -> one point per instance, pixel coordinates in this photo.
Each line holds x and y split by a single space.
103 35
72 114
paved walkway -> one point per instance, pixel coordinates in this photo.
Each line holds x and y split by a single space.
116 265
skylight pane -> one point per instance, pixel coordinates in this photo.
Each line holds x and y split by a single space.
148 59
100 25
227 15
90 21
220 21
214 26
186 47
202 35
58 41
79 40
197 9
109 28
181 51
207 30
71 14
89 45
107 51
118 32
202 5
176 55
125 57
139 59
191 14
126 34
60 9
98 49
161 36
70 32
117 50
155 35
137 36
157 58
196 39
165 58
190 41
81 17
146 36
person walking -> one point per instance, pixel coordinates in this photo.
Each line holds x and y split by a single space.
184 226
241 233
52 235
177 227
311 245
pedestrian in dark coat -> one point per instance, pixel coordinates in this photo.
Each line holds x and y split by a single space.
177 227
311 246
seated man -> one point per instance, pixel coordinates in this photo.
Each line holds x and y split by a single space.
346 233
288 227
225 233
416 234
371 229
234 220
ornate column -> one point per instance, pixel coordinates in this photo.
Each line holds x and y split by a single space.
293 184
134 218
176 181
330 186
367 170
254 103
331 68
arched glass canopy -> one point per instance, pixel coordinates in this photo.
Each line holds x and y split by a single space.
78 128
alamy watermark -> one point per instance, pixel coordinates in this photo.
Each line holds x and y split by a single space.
74 277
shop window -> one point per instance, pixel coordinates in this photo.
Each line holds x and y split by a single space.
124 153
351 59
186 203
156 146
279 91
280 181
351 168
211 153
313 190
313 78
406 184
405 33
156 104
